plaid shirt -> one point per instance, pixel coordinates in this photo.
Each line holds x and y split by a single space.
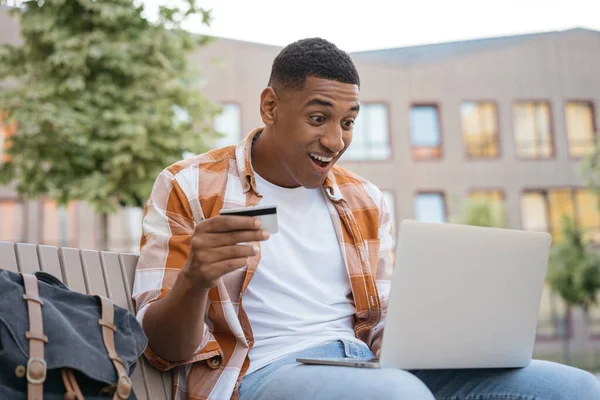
198 188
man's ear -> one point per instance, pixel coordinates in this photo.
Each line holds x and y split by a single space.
269 103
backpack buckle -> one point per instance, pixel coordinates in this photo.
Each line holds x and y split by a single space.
123 387
36 370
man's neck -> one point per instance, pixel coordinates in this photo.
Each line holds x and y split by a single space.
265 161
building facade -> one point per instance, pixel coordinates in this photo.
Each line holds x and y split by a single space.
507 118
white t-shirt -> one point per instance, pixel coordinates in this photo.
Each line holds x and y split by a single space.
299 296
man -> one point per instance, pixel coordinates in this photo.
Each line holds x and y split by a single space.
231 307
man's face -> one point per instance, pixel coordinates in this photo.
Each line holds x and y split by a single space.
313 129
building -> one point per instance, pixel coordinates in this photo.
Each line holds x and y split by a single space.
507 118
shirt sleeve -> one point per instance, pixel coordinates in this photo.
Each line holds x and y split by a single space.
385 263
167 229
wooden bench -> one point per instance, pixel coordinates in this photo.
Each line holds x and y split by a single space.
92 272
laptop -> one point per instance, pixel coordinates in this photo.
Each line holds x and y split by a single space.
461 297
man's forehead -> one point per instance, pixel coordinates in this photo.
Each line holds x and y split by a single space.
325 89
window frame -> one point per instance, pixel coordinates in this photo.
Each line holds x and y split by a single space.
438 108
390 157
595 127
551 128
498 131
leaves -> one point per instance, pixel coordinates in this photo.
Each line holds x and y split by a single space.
482 212
96 92
574 271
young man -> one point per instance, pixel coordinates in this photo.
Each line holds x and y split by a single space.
231 307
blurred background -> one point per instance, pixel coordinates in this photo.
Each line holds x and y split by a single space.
483 113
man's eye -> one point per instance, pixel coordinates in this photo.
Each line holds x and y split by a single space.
349 123
319 119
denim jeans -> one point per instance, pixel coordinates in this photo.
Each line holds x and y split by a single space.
287 379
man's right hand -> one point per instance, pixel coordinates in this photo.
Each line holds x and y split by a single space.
216 249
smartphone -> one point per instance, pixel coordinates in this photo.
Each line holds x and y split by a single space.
267 214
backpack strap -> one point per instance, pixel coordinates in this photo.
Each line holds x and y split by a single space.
123 387
73 390
36 365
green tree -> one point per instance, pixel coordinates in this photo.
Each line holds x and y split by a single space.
481 212
574 274
102 98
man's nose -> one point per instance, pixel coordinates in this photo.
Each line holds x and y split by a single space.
333 139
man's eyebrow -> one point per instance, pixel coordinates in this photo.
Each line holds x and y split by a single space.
319 102
325 103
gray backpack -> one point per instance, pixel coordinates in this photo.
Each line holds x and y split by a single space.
59 344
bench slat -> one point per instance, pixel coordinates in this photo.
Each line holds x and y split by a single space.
129 262
117 292
114 279
27 258
49 261
8 258
72 269
92 270
154 379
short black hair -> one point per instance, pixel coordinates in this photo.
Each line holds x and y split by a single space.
314 57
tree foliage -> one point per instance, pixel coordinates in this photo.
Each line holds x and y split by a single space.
574 271
482 212
102 99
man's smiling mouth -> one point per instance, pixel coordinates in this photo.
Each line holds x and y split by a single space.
320 161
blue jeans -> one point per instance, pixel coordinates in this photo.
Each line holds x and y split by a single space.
286 379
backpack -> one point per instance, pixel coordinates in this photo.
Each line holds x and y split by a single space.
60 344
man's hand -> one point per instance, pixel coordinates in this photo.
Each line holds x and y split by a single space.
376 347
215 249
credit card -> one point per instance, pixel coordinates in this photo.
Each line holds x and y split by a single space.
267 214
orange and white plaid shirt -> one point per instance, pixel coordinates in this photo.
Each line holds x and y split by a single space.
198 188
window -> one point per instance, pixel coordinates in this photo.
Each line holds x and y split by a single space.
533 138
480 129
580 127
493 195
587 214
229 124
12 221
430 207
59 224
551 320
390 202
425 137
370 136
543 210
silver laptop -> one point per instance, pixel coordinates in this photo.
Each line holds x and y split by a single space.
461 297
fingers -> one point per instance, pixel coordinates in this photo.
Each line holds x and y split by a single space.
229 223
217 270
230 238
230 253
230 265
